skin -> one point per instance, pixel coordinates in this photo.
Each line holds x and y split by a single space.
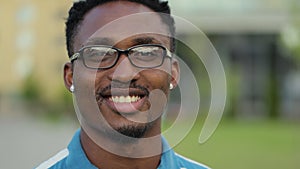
151 79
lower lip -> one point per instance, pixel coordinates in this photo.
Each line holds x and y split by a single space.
126 107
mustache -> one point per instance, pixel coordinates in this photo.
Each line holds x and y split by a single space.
123 86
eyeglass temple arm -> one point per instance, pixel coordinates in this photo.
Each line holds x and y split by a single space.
169 54
74 57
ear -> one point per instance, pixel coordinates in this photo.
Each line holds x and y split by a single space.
175 72
68 75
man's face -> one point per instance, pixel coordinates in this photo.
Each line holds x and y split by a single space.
129 98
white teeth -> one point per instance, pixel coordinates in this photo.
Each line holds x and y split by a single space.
124 99
128 99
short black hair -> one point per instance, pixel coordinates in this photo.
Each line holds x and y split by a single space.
79 9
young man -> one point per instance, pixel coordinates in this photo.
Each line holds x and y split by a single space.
120 74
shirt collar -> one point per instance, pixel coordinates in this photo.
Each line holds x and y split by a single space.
77 158
167 159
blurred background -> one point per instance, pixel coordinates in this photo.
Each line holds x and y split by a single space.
258 42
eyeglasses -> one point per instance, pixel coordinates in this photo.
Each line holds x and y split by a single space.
104 57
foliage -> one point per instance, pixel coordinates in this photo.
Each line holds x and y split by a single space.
31 89
291 34
52 109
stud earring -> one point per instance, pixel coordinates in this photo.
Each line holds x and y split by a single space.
72 88
171 86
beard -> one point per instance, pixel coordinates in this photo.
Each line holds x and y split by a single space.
128 133
133 131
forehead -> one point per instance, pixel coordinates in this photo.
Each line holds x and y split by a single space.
120 20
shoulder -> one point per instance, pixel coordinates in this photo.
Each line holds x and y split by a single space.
186 163
58 161
170 159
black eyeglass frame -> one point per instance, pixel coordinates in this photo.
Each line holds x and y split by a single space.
167 54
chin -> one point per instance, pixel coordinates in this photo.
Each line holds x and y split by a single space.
133 131
128 132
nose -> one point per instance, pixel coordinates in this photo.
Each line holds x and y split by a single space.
124 71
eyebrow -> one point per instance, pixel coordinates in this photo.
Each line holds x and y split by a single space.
99 41
144 40
110 42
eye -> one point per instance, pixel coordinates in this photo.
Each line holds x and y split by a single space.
147 53
99 54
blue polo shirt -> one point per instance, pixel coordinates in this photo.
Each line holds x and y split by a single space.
74 158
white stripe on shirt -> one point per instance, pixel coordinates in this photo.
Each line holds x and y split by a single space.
192 161
53 160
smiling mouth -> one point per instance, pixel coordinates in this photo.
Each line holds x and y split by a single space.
125 101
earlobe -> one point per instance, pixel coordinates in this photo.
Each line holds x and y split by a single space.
175 73
68 75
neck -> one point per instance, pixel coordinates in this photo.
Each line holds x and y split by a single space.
115 155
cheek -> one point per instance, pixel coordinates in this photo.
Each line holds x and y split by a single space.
157 79
83 79
86 80
84 83
86 106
